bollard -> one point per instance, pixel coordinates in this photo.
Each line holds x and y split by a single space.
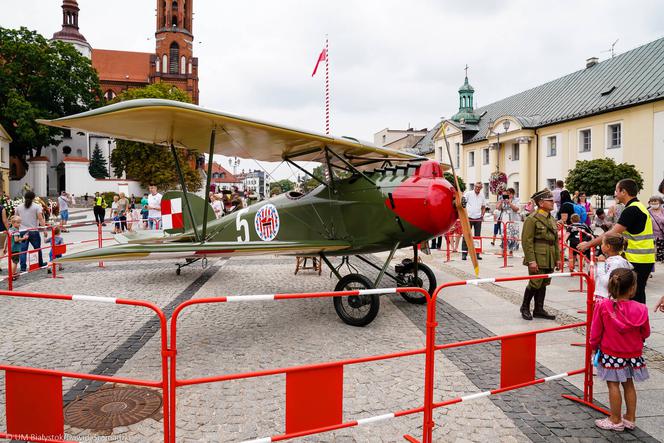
54 267
10 278
100 241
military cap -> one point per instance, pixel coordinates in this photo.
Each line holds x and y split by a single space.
544 194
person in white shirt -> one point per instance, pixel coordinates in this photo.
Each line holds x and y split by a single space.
475 207
63 204
612 247
154 208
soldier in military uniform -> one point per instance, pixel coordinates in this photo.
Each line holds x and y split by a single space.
540 246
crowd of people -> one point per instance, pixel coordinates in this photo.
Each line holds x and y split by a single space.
127 214
227 201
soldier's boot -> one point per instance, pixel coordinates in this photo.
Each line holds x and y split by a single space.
539 311
525 305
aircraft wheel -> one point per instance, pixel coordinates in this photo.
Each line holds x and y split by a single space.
425 279
356 310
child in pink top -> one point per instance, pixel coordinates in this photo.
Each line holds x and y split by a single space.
619 328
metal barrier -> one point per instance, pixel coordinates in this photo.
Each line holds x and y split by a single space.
37 410
34 409
56 250
518 357
318 386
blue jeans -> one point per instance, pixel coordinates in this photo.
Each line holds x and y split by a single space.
153 223
34 239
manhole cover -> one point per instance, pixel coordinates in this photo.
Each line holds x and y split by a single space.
108 408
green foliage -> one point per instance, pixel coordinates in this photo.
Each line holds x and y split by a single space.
41 79
98 167
281 186
152 164
450 178
599 176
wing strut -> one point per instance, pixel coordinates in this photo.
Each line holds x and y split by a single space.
208 181
291 162
184 192
352 168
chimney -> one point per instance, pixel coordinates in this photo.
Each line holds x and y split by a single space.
592 61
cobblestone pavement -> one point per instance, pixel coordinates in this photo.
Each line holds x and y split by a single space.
227 338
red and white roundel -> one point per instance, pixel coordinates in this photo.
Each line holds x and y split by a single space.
266 222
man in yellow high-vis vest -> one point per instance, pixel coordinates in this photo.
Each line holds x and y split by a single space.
635 225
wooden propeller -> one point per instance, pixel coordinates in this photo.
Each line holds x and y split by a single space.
463 215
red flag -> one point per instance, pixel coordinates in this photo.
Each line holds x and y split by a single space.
321 58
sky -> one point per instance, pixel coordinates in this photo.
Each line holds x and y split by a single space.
393 63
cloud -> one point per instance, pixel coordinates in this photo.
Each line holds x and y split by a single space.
393 63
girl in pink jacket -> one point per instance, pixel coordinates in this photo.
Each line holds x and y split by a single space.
619 328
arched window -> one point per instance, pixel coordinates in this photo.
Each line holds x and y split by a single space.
190 66
164 14
157 65
183 65
109 95
175 57
174 21
164 63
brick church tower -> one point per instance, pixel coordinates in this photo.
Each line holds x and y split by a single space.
173 61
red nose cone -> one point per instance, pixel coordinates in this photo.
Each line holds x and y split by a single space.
426 203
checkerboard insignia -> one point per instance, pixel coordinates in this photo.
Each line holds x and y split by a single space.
171 214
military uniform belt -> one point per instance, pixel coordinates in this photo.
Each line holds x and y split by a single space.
548 242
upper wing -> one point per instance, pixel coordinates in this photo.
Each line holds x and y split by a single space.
167 122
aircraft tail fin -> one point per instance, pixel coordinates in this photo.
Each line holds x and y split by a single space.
174 215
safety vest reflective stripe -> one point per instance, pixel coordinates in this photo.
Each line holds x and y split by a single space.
641 245
641 251
638 237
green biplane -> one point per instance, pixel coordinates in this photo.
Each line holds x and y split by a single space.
387 199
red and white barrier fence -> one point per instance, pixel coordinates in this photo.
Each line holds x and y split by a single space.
34 400
314 392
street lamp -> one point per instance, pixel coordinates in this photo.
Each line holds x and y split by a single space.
109 158
506 127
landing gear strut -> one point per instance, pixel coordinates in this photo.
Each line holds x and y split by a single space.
360 310
190 261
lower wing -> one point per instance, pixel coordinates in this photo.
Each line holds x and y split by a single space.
180 250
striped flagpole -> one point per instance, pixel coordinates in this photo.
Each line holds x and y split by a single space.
327 87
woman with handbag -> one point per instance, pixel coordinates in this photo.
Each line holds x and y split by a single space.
657 214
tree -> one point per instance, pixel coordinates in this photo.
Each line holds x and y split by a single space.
151 164
98 167
280 186
599 176
450 178
41 79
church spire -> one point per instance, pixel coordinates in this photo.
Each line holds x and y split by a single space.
466 106
69 32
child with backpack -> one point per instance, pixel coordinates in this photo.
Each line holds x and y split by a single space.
56 240
619 328
577 232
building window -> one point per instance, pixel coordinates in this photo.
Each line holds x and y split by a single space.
485 156
585 140
486 190
515 152
471 159
516 189
174 54
157 65
614 136
66 133
183 65
110 95
551 183
164 63
457 155
552 146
